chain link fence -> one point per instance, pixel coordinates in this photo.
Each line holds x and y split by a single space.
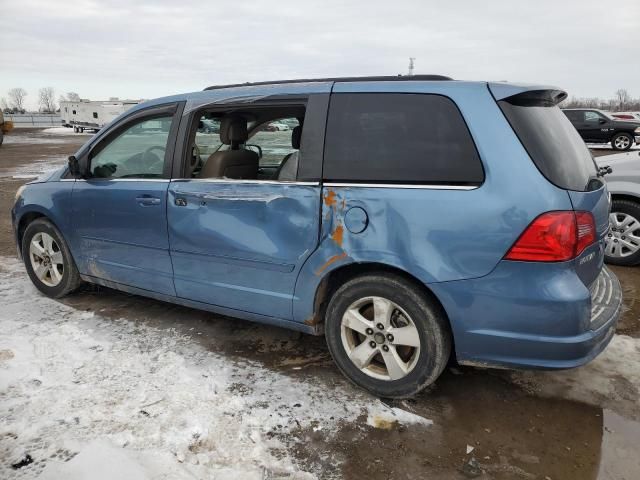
33 119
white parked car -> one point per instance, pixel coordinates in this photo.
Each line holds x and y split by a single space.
623 240
280 127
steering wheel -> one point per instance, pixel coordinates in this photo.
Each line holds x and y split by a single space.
150 162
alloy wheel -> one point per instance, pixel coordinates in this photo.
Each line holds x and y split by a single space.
380 338
624 235
46 259
622 142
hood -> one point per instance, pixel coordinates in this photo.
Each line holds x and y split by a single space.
625 124
51 176
625 175
626 160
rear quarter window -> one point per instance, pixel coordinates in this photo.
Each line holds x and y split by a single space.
399 138
552 142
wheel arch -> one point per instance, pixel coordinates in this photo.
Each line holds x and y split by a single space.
25 219
333 279
626 196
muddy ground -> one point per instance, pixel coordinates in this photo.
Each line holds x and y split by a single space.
579 424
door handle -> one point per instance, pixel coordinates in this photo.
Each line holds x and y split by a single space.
148 200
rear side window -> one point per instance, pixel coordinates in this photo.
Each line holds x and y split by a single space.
399 138
552 142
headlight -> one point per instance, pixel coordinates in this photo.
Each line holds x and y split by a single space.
19 192
637 130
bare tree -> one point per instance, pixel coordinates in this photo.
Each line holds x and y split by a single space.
4 106
47 99
16 97
623 98
73 97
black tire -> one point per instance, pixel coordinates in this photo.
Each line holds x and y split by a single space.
620 135
426 314
70 277
632 209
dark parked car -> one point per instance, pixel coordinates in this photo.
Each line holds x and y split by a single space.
409 219
596 126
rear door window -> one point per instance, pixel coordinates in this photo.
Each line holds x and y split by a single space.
399 138
574 117
552 142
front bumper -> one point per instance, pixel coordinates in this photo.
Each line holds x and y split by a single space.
531 316
637 139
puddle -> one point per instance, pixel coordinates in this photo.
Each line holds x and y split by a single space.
629 277
478 416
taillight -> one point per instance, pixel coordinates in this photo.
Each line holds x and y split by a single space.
586 231
554 237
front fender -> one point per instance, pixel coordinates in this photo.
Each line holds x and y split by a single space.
629 189
49 199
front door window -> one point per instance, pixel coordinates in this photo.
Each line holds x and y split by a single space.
138 152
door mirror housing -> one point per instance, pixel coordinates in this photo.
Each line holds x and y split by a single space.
77 168
602 121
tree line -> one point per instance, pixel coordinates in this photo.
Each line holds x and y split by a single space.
16 97
621 102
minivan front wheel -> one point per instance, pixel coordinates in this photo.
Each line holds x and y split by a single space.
386 335
48 260
622 244
622 141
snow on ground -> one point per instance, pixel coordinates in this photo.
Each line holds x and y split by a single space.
607 146
88 397
17 137
64 131
36 167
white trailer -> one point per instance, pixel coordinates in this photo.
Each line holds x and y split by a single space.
88 115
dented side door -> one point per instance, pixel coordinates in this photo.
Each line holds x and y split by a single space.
241 244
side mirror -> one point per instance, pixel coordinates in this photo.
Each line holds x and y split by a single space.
606 170
74 166
77 168
602 121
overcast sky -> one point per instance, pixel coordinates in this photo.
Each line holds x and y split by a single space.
146 49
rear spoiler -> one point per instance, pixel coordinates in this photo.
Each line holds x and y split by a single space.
527 95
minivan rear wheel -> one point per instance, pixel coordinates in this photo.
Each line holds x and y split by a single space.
622 141
386 335
622 244
48 260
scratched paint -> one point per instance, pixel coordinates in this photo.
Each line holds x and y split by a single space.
337 235
330 199
330 261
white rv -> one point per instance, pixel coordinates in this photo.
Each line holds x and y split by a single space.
88 115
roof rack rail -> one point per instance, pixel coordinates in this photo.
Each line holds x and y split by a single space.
336 79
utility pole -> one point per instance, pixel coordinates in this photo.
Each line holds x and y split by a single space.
411 59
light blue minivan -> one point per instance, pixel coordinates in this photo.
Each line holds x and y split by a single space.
411 220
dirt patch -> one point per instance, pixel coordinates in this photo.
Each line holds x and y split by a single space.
18 158
473 412
630 281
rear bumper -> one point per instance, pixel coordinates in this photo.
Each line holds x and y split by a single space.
531 316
